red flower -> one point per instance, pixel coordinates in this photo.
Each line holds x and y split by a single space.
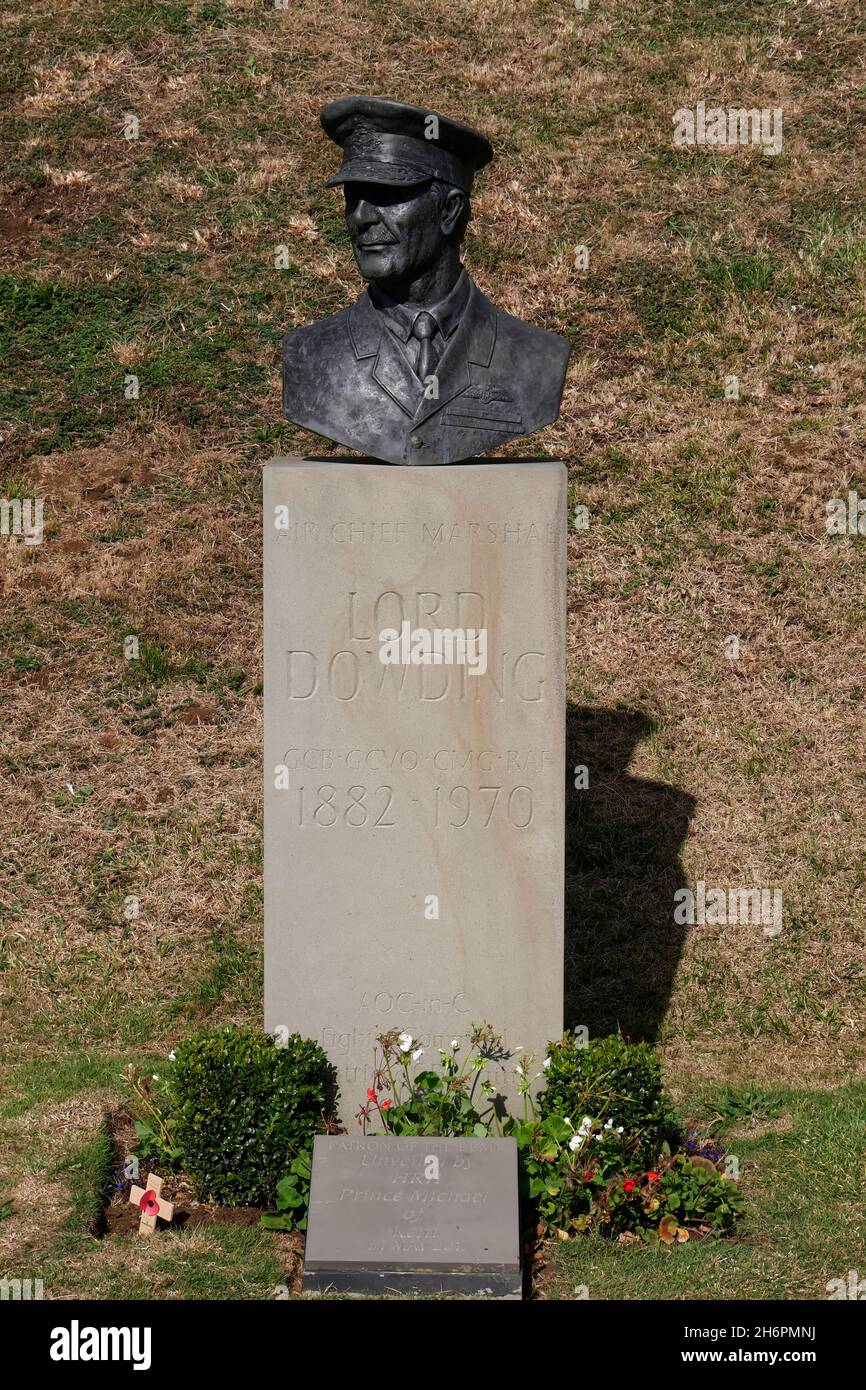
590 1174
371 1094
653 1177
629 1185
386 1105
149 1203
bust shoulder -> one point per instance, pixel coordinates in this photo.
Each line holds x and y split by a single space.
314 339
528 337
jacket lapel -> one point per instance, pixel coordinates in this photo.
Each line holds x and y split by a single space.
394 375
391 370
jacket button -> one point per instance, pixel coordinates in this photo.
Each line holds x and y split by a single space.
416 441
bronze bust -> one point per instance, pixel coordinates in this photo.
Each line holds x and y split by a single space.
423 369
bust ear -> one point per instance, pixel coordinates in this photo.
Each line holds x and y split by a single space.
451 211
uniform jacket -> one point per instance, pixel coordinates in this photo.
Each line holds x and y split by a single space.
348 379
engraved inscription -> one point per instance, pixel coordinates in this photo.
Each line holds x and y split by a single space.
354 669
430 1196
452 808
391 531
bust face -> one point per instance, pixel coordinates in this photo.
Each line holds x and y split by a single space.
396 232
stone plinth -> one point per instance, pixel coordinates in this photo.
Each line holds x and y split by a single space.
414 809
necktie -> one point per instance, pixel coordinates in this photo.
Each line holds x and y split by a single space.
424 329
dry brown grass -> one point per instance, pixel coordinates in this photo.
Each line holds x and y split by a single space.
707 521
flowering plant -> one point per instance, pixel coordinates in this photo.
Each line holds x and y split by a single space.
658 1204
555 1176
588 1174
453 1099
150 1098
620 1080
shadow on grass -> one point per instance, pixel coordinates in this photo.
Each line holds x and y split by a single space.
622 867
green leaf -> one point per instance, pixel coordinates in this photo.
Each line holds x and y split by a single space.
557 1128
276 1223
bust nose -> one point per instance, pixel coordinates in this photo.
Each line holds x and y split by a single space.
363 214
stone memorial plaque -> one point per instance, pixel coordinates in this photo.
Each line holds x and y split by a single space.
413 1215
414 755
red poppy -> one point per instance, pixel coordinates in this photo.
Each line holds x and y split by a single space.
653 1177
590 1174
371 1094
629 1186
386 1105
149 1203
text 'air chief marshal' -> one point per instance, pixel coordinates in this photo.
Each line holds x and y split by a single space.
423 369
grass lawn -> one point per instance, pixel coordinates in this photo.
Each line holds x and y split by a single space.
154 258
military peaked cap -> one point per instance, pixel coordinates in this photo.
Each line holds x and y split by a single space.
386 141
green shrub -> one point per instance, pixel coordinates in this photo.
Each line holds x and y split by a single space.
244 1108
613 1082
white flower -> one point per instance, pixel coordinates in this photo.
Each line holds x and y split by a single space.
171 1056
546 1063
454 1045
619 1131
576 1142
519 1069
417 1054
405 1041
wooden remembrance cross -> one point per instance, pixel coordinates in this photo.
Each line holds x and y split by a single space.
151 1205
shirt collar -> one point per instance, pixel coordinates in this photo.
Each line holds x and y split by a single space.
447 313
